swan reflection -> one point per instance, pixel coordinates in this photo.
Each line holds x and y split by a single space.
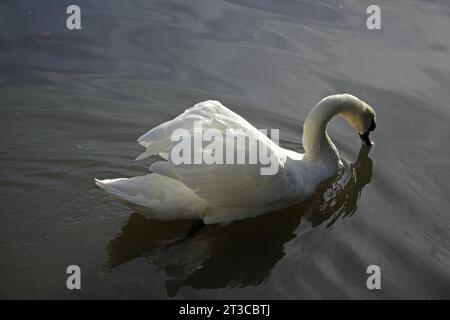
244 252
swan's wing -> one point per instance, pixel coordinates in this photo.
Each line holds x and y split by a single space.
222 185
211 114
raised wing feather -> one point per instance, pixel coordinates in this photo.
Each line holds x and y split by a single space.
211 114
221 185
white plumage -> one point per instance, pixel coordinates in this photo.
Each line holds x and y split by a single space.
219 193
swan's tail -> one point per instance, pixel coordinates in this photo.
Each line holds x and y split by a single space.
162 197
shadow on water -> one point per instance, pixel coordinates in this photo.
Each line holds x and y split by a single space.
244 252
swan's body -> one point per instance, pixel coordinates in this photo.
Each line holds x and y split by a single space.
224 193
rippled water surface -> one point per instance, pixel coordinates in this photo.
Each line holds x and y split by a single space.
72 104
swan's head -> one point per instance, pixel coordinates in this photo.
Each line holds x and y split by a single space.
360 116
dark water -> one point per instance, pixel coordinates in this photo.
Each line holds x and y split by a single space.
72 104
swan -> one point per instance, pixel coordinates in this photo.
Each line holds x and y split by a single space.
218 193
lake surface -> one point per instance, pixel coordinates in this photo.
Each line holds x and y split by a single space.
73 103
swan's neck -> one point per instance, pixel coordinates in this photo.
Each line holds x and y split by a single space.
318 146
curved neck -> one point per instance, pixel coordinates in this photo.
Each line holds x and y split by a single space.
318 146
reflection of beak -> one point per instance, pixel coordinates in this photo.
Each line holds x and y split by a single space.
366 135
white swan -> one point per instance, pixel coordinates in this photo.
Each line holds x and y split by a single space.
223 193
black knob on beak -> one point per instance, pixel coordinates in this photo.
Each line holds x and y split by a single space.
372 125
365 137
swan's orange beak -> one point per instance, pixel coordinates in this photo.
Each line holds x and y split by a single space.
366 135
